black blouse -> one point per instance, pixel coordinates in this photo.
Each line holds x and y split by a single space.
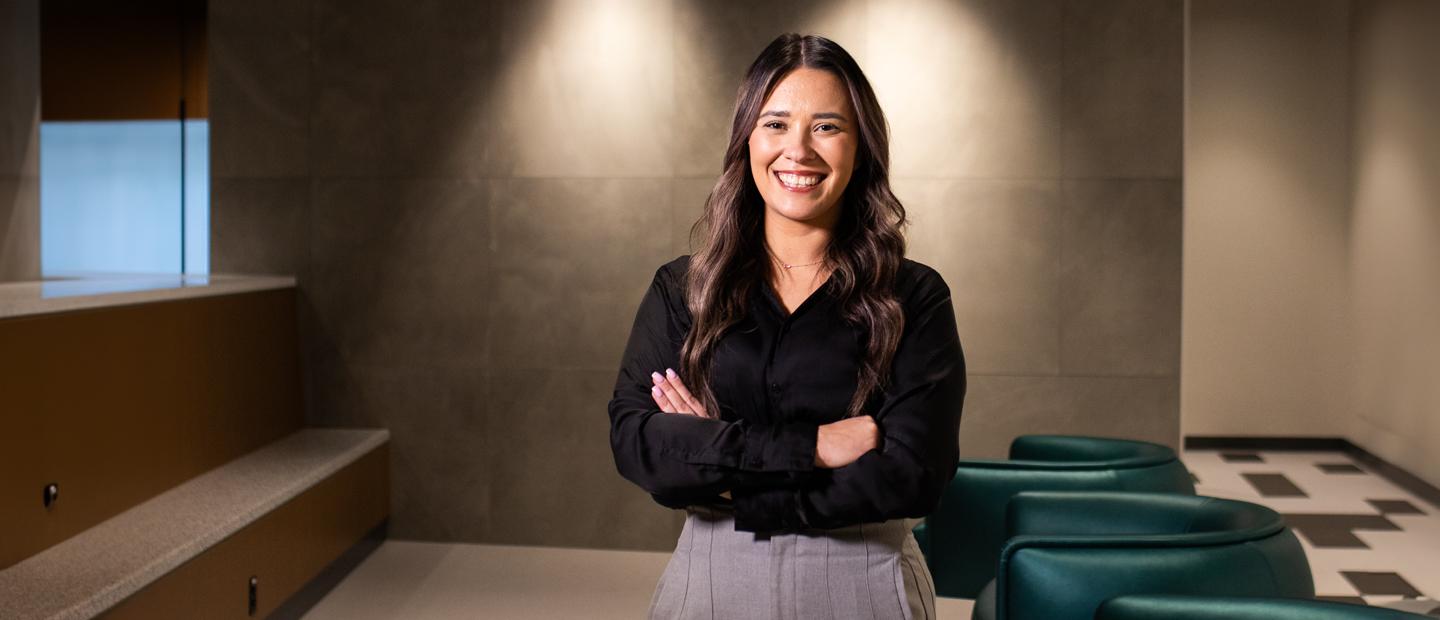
776 378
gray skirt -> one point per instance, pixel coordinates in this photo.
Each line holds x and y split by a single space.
870 571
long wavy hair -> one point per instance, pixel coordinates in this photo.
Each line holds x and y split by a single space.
866 248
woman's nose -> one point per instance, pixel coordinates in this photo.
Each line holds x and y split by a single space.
797 146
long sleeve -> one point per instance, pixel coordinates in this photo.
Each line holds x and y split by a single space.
683 458
919 420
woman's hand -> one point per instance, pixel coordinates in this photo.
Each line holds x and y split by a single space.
838 444
672 396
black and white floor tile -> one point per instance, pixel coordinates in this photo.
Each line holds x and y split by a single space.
1368 540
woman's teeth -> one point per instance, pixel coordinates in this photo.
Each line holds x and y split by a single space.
796 180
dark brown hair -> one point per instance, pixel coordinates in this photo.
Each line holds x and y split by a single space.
865 251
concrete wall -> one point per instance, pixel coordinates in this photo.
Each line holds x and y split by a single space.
20 140
1267 336
475 196
1395 243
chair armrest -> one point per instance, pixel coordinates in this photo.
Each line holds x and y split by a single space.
1135 514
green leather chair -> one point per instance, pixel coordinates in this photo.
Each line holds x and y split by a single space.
1175 607
961 540
1070 552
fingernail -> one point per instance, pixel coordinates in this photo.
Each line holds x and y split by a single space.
655 390
669 373
656 377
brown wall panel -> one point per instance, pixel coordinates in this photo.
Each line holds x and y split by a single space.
122 61
284 550
117 405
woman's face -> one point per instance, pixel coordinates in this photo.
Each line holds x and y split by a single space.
802 148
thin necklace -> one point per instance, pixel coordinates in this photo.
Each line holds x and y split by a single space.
789 266
786 265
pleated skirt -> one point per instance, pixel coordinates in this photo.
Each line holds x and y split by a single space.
867 571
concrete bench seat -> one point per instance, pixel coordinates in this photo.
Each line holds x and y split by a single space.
102 566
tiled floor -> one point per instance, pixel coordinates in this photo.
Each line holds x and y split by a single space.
1368 540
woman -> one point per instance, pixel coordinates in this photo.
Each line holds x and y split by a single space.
796 384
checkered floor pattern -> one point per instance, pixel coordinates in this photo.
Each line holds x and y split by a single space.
1368 541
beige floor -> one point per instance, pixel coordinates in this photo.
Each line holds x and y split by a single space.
416 580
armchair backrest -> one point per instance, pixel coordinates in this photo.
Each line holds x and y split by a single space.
1162 544
1076 448
967 530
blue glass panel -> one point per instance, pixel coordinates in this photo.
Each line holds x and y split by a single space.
110 197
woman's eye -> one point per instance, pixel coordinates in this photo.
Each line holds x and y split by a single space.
774 125
827 127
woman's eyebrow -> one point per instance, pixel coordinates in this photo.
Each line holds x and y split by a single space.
786 114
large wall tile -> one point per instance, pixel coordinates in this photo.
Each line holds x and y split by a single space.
572 259
688 204
1124 87
715 42
439 444
400 271
1120 278
1000 408
997 245
19 88
259 101
405 88
19 228
971 89
553 477
584 91
258 225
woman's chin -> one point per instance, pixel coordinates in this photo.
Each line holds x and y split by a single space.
798 211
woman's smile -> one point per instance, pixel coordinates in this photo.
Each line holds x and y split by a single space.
799 181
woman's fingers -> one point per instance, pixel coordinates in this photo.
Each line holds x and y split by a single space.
668 395
670 392
684 392
661 400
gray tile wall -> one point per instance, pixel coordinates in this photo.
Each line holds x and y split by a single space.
475 196
1041 164
20 140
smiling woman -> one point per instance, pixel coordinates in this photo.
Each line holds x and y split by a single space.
795 385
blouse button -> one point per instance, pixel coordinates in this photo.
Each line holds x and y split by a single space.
775 387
